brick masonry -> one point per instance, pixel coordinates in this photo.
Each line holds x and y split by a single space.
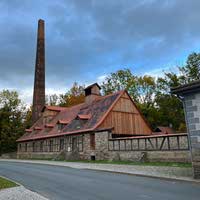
192 112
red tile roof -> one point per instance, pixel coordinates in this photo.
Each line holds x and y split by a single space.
63 121
49 125
97 111
88 116
54 108
37 128
164 130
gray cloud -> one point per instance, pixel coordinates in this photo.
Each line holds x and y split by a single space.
87 39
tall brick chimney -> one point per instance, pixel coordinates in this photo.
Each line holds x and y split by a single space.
39 82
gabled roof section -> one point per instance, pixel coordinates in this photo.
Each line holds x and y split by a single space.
94 112
147 123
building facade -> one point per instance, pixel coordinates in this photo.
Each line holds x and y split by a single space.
190 95
75 130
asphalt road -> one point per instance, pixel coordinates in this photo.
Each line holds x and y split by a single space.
55 182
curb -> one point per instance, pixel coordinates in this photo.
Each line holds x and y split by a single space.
149 176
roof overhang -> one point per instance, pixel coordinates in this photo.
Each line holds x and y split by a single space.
186 89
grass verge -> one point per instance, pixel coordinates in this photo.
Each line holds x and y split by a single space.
164 164
5 183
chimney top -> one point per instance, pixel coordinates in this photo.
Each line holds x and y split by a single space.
41 20
90 86
92 92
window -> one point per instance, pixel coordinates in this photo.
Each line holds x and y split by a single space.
41 146
25 147
51 145
92 141
74 144
47 119
33 146
61 144
60 127
20 147
80 143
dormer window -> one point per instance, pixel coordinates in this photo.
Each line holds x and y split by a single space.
60 127
48 127
61 124
84 116
28 130
37 128
47 119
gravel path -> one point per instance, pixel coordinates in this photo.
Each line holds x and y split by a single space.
19 193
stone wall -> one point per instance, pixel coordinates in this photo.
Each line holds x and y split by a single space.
104 149
151 156
192 111
172 142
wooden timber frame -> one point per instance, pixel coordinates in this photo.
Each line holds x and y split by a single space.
53 144
172 142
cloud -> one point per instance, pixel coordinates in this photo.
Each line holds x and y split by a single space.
87 39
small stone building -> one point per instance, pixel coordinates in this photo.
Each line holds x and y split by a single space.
82 131
190 95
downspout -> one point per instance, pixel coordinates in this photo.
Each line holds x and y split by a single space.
187 125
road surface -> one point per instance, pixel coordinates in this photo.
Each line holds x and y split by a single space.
63 183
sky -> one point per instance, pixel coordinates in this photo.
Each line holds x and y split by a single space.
88 39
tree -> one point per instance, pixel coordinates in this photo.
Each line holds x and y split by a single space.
12 118
52 99
170 108
74 96
191 71
146 89
120 80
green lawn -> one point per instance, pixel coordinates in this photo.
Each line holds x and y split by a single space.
4 183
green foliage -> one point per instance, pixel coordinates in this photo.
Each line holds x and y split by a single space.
153 95
191 71
4 183
120 80
52 99
12 120
74 96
